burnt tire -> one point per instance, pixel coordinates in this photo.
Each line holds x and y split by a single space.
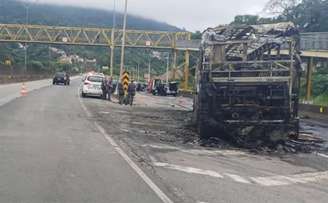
203 130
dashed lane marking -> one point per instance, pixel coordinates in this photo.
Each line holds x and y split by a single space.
322 155
278 180
189 169
198 151
238 178
162 196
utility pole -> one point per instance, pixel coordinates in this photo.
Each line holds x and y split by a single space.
113 41
138 71
25 47
149 69
167 68
123 39
49 58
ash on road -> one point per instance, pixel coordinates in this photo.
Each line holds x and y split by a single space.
52 151
157 132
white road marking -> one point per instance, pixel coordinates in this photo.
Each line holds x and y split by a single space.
278 180
134 166
322 155
125 130
288 180
189 169
237 178
104 112
198 151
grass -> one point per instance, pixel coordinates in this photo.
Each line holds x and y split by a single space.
321 100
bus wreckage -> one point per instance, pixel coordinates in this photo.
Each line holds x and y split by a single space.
247 82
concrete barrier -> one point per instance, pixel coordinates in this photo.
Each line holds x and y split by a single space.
7 79
314 109
186 93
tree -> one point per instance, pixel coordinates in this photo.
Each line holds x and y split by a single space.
281 7
246 20
307 15
196 35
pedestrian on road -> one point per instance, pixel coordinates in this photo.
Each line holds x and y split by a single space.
120 93
104 88
131 92
109 87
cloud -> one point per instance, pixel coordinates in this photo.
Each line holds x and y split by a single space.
190 14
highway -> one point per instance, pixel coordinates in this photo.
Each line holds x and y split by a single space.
51 152
58 147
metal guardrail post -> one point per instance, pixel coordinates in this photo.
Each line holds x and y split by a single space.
175 55
186 70
309 79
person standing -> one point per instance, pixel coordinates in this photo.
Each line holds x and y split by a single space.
131 92
120 93
104 88
109 87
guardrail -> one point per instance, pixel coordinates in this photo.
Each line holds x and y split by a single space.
309 41
5 79
314 41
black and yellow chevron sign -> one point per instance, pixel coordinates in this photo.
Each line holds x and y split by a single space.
125 80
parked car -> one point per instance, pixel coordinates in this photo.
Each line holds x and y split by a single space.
172 88
91 85
61 78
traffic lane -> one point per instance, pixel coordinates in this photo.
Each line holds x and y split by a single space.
212 190
9 92
153 136
237 176
180 103
50 152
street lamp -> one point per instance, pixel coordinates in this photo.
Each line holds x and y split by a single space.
149 68
113 40
25 45
167 67
27 9
123 39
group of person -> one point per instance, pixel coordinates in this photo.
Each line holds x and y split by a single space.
108 89
128 98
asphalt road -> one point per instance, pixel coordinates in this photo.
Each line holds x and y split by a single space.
58 147
51 151
157 131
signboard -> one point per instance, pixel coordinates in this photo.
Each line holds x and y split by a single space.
148 43
125 81
8 62
105 67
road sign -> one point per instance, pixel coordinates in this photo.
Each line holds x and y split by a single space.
125 80
8 62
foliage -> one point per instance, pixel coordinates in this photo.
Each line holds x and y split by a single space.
320 82
38 56
196 35
321 100
307 15
13 11
35 66
246 20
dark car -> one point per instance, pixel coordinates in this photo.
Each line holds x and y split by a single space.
61 78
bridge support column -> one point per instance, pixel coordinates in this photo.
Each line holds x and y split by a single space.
186 70
111 65
310 67
174 63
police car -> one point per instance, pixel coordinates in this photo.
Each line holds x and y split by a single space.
91 84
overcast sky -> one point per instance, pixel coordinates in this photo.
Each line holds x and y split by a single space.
190 14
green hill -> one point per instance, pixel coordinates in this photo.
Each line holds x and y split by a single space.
13 11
